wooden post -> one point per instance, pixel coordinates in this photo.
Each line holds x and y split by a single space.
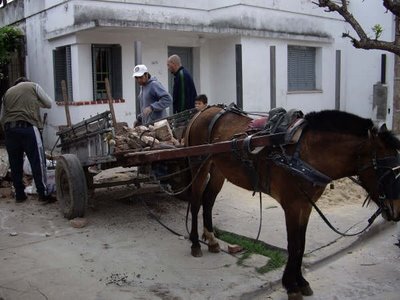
66 102
110 101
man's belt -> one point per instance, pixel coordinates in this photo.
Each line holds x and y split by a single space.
17 124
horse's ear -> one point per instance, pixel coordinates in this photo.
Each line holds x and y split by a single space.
383 128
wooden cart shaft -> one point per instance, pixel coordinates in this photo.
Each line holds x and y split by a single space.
149 156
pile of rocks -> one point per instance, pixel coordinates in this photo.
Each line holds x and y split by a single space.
142 137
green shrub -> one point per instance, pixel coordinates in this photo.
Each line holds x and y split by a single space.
11 39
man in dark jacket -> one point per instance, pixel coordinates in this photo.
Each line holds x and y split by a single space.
184 91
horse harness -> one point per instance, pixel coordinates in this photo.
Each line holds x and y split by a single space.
284 128
242 156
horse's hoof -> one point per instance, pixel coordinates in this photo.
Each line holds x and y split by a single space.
196 252
306 290
214 248
295 296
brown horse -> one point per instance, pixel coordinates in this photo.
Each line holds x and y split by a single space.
333 145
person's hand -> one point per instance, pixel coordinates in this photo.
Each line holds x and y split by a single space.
147 110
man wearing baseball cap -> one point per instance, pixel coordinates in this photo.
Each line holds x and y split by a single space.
153 97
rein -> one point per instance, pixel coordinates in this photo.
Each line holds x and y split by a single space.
370 220
377 164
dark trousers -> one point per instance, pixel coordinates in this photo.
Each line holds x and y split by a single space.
26 139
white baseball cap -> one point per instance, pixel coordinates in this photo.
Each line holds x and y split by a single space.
139 70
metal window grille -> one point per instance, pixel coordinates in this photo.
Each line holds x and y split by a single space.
107 63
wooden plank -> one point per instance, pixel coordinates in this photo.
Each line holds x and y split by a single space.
140 158
66 102
110 101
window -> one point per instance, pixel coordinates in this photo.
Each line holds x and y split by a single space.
62 71
106 64
302 68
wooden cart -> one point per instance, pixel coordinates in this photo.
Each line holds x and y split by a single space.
86 144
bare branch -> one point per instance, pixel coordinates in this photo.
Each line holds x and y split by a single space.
363 41
349 18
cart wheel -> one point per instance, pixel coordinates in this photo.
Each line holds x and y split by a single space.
71 186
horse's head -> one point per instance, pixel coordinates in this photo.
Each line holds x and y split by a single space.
379 171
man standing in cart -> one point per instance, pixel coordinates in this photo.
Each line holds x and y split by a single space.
153 97
20 118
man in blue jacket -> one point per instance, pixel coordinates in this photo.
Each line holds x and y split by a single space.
153 97
184 91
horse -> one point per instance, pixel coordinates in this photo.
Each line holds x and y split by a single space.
332 145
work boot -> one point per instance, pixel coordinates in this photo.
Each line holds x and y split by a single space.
21 198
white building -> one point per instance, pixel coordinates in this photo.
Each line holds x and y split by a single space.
257 53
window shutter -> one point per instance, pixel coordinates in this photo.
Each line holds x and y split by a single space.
94 74
301 68
69 72
62 71
59 72
116 71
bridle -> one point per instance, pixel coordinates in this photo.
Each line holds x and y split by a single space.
387 173
385 168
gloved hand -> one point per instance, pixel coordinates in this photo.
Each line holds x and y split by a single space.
147 110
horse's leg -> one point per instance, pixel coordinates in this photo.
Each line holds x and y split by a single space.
195 203
303 284
211 191
296 225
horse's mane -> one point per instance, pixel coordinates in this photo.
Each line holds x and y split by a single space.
338 121
347 123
